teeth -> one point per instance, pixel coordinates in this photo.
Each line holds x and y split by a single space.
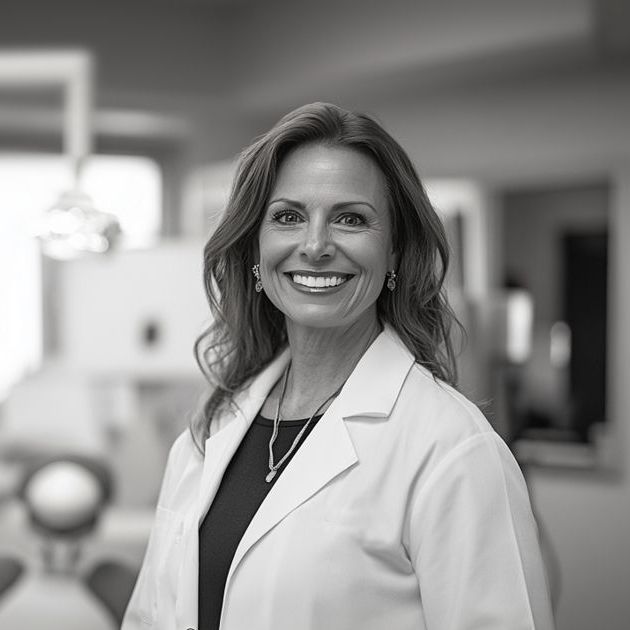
318 282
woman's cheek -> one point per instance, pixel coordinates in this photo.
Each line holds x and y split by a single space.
360 296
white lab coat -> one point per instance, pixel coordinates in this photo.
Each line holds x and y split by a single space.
402 510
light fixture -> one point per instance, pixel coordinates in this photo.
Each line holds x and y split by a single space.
73 226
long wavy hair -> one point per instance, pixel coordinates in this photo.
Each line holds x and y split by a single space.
247 330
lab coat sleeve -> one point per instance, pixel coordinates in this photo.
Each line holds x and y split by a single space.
473 542
140 611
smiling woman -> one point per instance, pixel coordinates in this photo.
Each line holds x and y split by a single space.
335 478
325 242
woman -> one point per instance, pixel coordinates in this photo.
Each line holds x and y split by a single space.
335 480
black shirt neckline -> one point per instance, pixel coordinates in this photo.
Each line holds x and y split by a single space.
268 422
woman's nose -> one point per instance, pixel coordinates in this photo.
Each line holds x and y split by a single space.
317 241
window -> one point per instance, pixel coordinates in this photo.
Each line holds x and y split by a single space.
129 187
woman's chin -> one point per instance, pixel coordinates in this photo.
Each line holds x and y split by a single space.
324 318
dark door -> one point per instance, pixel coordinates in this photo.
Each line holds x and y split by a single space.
585 273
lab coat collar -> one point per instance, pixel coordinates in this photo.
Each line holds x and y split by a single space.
374 385
370 391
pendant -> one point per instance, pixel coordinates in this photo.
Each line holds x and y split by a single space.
270 476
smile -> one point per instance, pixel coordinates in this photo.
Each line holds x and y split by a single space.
320 281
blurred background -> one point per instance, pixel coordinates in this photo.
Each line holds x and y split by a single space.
120 123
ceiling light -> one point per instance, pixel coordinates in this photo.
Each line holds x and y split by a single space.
74 226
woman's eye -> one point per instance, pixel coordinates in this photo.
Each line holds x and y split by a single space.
351 220
285 217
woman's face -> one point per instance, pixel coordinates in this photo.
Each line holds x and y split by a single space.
325 242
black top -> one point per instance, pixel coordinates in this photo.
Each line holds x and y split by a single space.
242 490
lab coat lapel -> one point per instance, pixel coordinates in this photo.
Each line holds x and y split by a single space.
326 453
233 425
218 451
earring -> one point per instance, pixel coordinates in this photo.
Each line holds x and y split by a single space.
391 280
256 271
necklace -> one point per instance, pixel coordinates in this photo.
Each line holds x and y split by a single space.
273 468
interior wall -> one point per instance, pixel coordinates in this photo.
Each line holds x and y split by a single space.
587 515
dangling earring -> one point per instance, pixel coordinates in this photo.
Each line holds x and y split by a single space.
391 280
256 271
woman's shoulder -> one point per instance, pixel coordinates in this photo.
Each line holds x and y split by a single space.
436 414
442 431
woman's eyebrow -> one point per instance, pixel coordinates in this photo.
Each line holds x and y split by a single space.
336 206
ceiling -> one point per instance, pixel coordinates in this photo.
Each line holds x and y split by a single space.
238 58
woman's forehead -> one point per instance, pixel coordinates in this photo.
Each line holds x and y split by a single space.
321 171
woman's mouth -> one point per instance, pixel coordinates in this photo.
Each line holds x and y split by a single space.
319 281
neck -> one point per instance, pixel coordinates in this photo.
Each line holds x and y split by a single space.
321 361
